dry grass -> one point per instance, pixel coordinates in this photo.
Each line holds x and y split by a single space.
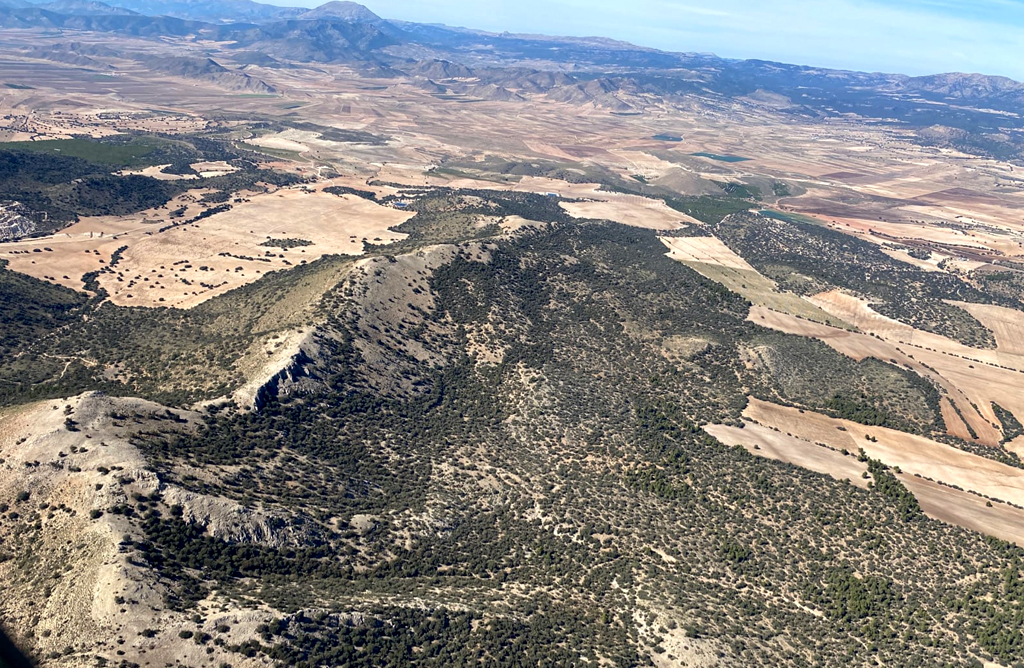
712 259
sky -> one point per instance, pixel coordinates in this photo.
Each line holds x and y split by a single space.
907 36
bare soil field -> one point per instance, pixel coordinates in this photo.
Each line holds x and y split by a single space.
285 141
1016 446
157 172
765 441
633 210
636 212
967 510
859 313
89 244
945 234
931 471
912 454
209 169
705 250
938 501
946 356
955 426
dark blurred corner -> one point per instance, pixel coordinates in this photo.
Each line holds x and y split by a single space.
10 655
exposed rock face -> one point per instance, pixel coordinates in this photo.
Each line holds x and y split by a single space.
302 366
15 221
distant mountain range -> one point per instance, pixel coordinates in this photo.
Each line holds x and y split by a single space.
504 66
216 11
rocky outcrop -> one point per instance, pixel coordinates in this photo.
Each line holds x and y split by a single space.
16 221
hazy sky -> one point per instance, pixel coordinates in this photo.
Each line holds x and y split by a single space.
910 36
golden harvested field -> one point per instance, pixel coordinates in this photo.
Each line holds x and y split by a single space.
983 375
1006 324
157 172
624 208
284 141
213 168
636 211
913 454
970 382
186 265
967 510
89 244
705 250
955 425
937 501
859 313
928 468
765 441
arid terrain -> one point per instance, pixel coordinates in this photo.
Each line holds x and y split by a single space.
394 347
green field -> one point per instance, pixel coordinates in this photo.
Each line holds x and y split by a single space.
789 217
763 292
708 209
129 154
720 158
275 152
459 174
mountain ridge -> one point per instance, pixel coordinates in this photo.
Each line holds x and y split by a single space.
245 11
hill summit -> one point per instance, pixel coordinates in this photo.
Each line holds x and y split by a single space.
342 10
